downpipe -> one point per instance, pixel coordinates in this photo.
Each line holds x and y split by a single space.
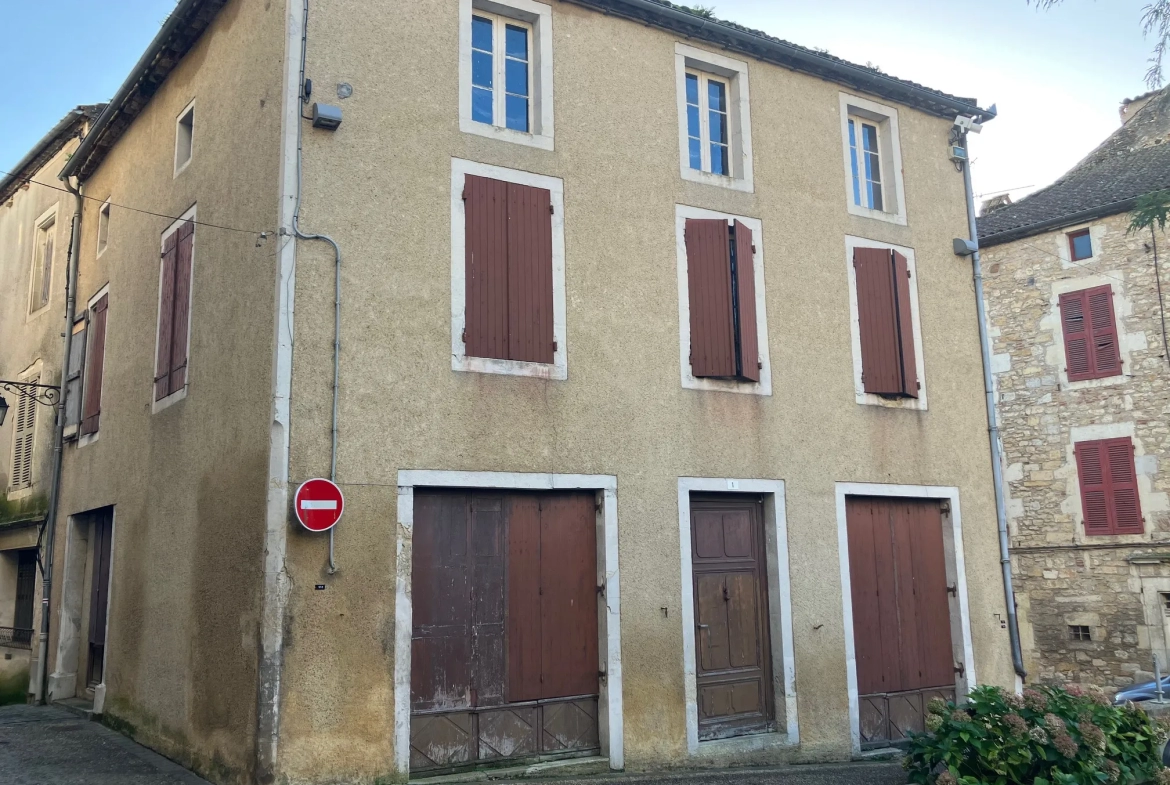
993 429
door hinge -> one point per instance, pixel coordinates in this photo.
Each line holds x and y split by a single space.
601 590
552 210
961 670
464 195
600 675
944 505
953 590
554 346
760 364
753 247
463 337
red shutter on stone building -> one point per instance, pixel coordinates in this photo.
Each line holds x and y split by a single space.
1089 326
1109 491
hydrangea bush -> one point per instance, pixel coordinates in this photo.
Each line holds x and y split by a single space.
1047 736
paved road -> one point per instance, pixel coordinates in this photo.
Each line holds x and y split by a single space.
50 746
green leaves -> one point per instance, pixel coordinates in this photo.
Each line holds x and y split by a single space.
1151 210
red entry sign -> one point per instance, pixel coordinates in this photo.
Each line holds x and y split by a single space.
318 504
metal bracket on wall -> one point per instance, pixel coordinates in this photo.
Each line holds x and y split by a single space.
47 394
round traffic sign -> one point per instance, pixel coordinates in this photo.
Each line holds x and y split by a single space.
318 504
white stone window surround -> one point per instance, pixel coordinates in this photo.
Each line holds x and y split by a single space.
157 406
956 573
539 17
184 137
558 369
1097 234
610 709
46 223
780 615
1127 342
90 438
739 117
1145 466
103 232
859 393
689 381
893 190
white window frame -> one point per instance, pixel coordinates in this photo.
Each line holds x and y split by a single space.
538 18
460 361
885 118
178 395
689 59
188 111
689 381
32 374
860 395
103 228
46 222
500 58
90 438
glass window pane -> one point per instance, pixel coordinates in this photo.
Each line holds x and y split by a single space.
869 134
716 96
516 77
1082 247
481 105
719 159
692 89
516 42
481 33
481 69
873 171
856 176
852 135
696 147
692 121
875 196
718 127
517 109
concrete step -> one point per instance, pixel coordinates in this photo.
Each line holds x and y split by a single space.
572 767
80 706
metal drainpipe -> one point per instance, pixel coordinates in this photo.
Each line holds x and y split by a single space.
336 277
993 431
42 691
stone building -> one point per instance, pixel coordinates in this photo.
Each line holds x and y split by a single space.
1083 378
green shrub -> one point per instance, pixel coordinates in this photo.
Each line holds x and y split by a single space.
1047 736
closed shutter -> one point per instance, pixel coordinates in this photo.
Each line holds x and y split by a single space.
1090 334
568 602
907 360
1106 357
530 286
182 318
22 452
96 358
73 376
524 597
486 271
710 296
1074 324
1126 508
166 315
1109 493
745 276
877 314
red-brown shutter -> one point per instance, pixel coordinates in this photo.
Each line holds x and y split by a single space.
95 363
524 596
877 314
1103 328
1126 507
568 602
486 272
530 286
1109 493
709 287
1075 325
745 276
908 366
166 314
182 318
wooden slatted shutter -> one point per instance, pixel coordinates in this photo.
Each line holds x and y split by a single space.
166 315
74 376
877 314
1103 332
1075 326
1109 492
1094 489
907 367
182 318
22 452
486 272
745 276
530 286
95 356
1090 334
710 296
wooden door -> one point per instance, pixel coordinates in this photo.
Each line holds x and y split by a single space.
733 651
901 613
99 596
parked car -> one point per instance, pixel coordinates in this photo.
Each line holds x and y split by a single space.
1146 691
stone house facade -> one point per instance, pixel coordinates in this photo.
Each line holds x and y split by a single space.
1091 561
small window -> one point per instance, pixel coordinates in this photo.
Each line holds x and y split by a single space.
1110 503
1080 245
873 160
174 310
184 137
1089 328
714 119
708 129
1165 598
22 446
885 323
1079 632
865 162
103 234
95 361
42 272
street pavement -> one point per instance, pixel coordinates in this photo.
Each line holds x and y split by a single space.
51 746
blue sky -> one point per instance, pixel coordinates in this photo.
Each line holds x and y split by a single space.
1057 76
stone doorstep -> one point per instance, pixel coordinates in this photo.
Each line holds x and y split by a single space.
81 707
572 767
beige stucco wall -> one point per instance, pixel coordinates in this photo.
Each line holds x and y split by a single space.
380 185
188 483
1064 577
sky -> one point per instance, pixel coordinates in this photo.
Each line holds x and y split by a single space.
1057 76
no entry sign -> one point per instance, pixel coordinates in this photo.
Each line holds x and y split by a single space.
318 504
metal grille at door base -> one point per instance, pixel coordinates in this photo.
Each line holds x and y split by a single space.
547 728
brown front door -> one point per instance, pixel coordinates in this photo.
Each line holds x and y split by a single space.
504 656
901 613
99 595
733 668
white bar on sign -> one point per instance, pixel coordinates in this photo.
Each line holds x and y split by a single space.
315 504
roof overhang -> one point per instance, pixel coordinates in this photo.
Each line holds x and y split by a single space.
43 151
1092 214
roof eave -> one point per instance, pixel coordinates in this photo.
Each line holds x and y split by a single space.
54 138
1093 213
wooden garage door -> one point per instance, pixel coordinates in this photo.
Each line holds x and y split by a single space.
901 613
504 656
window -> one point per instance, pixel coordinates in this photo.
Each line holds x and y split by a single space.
873 160
506 70
103 236
1109 491
22 447
1079 632
1090 334
174 310
1080 245
1165 598
95 360
42 271
714 121
885 321
73 375
184 137
508 272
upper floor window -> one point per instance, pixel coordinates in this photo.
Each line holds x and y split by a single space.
1080 245
174 310
714 119
24 440
1089 328
42 269
184 137
873 160
1109 489
95 361
103 232
505 89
